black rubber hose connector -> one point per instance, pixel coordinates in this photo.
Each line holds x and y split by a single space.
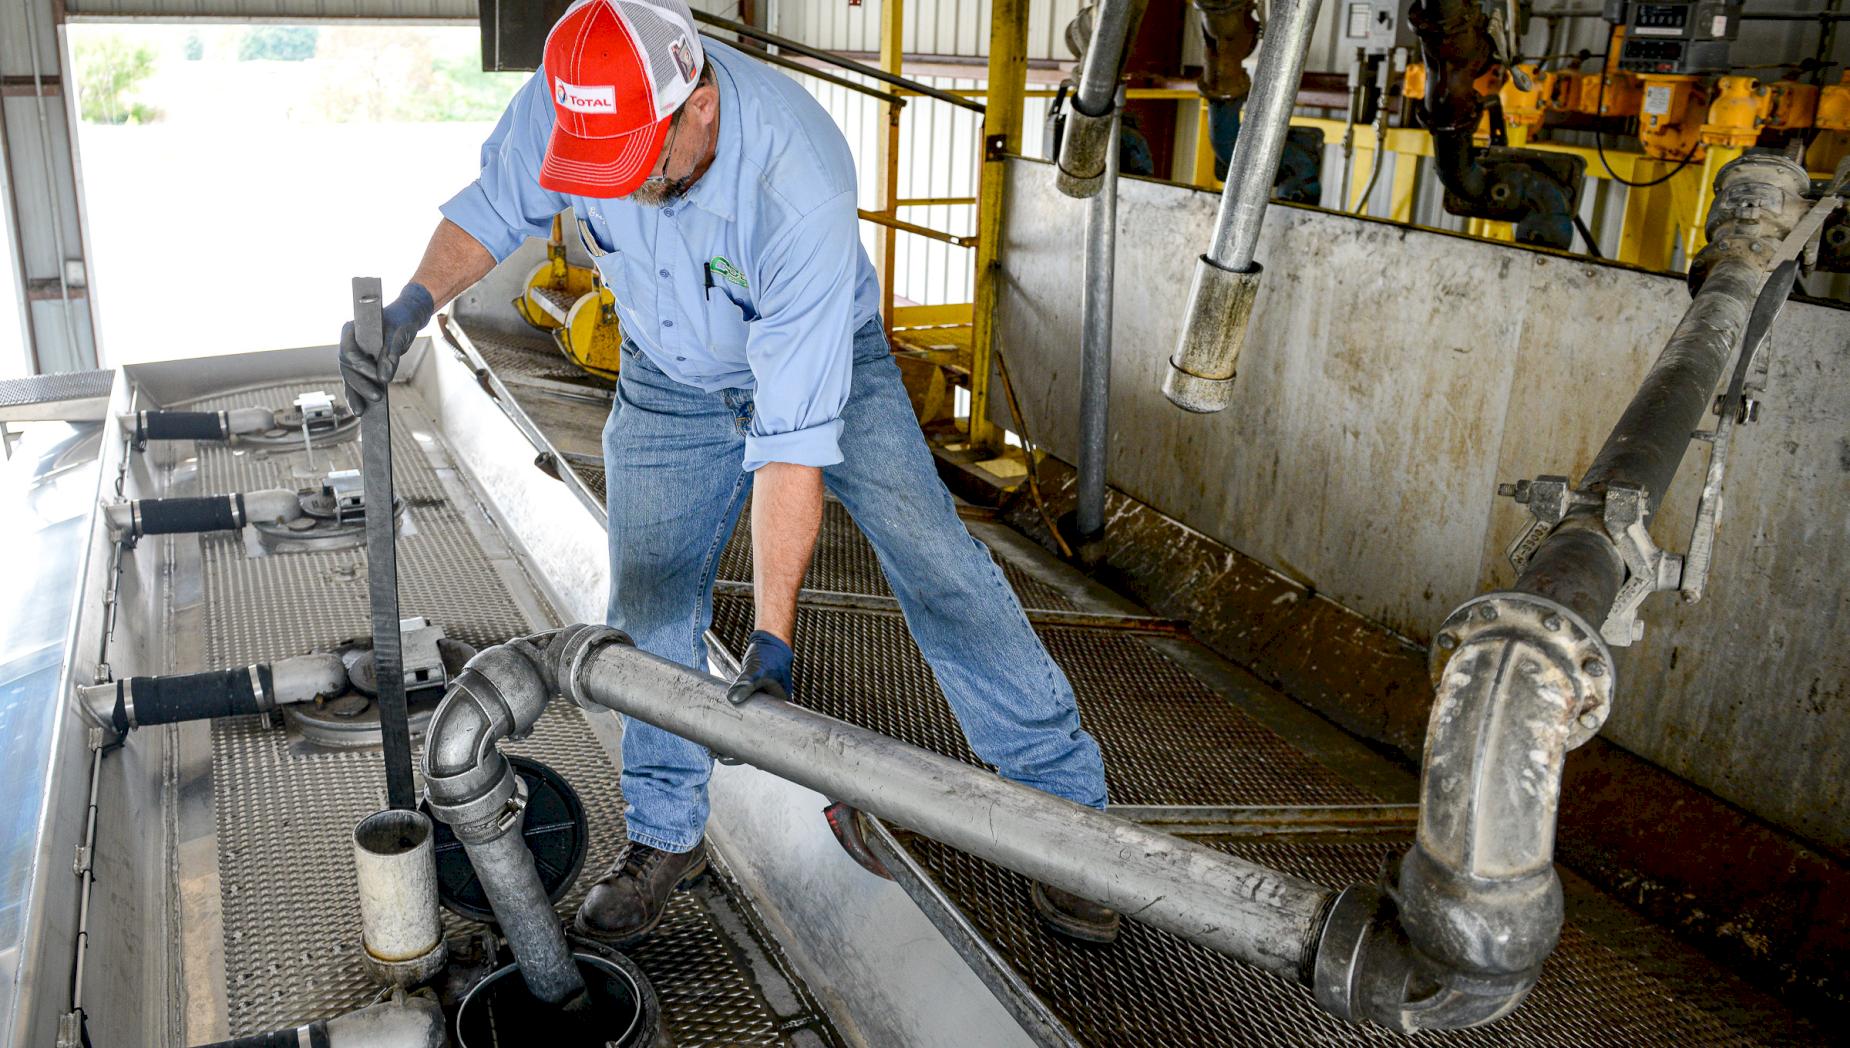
181 425
183 516
193 696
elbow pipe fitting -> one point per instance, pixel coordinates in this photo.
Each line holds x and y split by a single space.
1456 46
1229 33
1458 934
470 785
1080 167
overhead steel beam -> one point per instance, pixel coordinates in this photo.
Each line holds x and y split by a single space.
38 178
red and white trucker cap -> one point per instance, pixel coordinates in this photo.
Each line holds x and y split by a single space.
618 70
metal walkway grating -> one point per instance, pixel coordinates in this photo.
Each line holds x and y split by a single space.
1154 989
285 812
530 356
845 562
1167 739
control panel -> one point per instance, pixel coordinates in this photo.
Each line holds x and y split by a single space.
1677 37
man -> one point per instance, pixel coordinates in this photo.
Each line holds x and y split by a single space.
718 201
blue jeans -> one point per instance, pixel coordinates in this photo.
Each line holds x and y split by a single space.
673 456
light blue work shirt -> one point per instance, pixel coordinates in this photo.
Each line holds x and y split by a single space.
755 279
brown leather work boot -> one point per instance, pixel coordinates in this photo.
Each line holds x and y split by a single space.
628 902
1073 917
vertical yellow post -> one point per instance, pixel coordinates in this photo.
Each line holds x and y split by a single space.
1715 157
1002 116
1647 230
1204 148
892 59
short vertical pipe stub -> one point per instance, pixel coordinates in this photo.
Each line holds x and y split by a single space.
1220 308
401 937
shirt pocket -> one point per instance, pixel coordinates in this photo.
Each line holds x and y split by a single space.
587 236
725 327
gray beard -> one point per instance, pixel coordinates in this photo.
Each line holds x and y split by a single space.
658 190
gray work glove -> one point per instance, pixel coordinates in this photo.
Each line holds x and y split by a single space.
365 377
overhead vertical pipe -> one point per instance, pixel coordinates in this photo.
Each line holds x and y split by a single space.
1220 299
1456 46
1524 675
1095 345
1090 138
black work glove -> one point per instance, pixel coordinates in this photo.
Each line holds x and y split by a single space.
765 669
365 377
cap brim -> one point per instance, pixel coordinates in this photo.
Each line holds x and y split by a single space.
602 167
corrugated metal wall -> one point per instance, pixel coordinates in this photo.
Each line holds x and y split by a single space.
276 10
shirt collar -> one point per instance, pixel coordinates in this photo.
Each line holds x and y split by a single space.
712 193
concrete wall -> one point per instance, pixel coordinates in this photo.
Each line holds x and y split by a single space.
1392 377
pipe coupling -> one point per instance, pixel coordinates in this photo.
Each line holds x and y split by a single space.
1220 308
1759 198
1079 171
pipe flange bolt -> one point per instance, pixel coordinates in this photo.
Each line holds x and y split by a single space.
1577 647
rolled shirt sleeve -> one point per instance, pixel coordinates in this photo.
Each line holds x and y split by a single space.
505 204
801 346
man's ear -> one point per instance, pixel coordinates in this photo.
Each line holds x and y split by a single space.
704 102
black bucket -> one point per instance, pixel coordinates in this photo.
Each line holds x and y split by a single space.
501 1013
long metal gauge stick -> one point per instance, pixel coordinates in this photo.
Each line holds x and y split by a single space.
382 555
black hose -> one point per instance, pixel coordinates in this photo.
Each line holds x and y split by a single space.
317 1038
182 516
192 696
180 425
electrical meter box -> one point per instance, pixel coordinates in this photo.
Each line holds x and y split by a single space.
1376 26
1679 38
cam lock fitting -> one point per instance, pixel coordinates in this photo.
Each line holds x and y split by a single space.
1220 308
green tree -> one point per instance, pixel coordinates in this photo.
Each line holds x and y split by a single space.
279 43
109 69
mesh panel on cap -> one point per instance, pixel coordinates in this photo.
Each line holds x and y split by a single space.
656 30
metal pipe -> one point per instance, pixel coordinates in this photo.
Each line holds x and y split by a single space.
1525 675
802 69
798 47
1456 45
1758 199
401 937
1090 135
473 788
1095 343
1220 299
1260 916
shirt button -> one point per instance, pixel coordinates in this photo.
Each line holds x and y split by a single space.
664 272
668 323
668 212
680 358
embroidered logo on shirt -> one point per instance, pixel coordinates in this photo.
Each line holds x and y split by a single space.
592 99
726 270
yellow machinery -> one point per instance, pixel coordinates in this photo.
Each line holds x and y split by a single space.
572 303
